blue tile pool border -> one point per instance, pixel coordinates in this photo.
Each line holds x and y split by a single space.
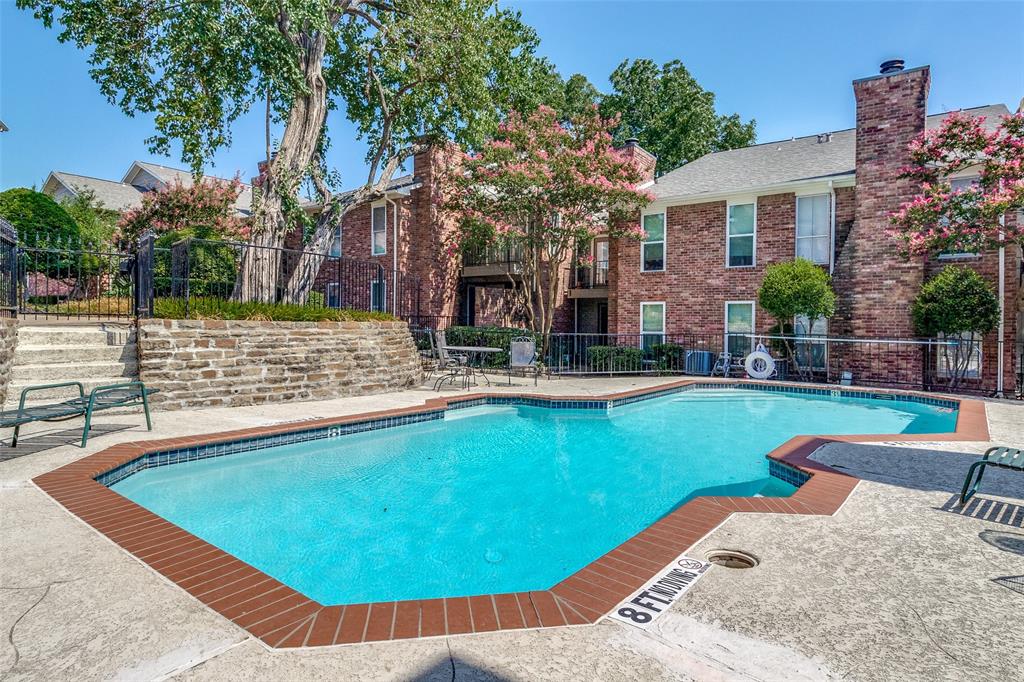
167 457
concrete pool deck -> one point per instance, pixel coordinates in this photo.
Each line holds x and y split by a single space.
896 584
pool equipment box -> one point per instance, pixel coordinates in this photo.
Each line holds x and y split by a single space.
660 592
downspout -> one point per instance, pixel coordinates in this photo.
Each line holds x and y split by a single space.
1002 307
832 228
394 255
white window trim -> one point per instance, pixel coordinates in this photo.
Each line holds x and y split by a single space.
728 240
831 226
725 321
662 332
375 205
663 242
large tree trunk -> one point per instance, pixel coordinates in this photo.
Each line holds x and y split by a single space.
260 271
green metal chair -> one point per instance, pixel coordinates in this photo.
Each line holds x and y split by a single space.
100 398
999 456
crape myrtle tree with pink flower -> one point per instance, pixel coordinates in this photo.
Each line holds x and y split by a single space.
942 220
958 303
545 186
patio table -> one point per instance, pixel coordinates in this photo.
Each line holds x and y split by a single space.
471 352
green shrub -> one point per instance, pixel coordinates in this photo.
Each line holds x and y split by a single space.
668 355
211 265
220 309
956 301
316 299
41 222
615 358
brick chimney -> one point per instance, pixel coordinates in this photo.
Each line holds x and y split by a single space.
874 284
631 149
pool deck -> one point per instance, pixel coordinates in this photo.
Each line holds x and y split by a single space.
898 583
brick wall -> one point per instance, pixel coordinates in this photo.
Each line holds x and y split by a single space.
230 363
8 340
696 282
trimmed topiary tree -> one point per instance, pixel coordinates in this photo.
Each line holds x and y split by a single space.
958 305
797 288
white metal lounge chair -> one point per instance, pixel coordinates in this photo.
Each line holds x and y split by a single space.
522 354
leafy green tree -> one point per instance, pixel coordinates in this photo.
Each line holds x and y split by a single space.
957 305
670 113
406 72
39 220
96 224
797 288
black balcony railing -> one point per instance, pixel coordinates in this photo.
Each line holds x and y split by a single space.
590 276
492 254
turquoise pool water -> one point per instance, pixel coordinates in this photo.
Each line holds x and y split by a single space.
493 499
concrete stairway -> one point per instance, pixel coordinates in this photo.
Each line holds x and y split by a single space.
94 354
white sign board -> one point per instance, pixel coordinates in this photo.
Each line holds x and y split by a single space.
660 592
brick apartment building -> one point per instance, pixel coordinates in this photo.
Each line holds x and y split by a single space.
715 225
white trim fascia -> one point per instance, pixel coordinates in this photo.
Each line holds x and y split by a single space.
794 186
53 176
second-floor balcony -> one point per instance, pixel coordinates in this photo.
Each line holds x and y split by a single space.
492 262
589 281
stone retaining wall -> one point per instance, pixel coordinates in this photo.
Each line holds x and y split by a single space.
8 340
199 363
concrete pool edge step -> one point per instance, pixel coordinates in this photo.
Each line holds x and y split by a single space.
281 617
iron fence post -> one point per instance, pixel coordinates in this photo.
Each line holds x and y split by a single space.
144 294
8 269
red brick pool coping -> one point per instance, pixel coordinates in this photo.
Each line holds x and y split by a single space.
281 617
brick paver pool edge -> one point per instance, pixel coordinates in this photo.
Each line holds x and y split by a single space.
281 617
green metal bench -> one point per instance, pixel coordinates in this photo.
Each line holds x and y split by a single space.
100 398
1001 457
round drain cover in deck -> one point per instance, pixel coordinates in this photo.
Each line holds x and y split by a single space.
732 558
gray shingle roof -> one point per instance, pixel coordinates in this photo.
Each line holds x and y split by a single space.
775 163
113 195
243 204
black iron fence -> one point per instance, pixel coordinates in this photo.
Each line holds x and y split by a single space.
60 276
924 364
8 270
492 254
48 275
196 269
589 276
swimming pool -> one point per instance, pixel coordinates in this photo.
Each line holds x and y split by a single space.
497 498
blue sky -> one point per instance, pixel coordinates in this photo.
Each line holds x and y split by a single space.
788 65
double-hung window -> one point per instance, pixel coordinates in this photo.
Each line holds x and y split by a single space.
379 230
335 251
378 294
652 250
959 185
739 326
652 324
740 237
813 228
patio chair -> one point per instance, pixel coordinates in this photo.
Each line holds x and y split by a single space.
999 456
723 365
428 356
522 354
453 364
